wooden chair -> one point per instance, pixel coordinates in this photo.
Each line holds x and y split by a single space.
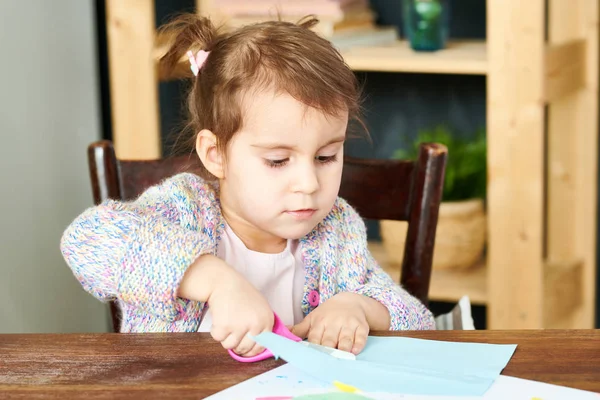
378 189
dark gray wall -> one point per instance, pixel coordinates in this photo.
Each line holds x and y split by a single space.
49 113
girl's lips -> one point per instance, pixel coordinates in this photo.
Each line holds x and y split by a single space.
301 214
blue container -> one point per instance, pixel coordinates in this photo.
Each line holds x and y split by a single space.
426 23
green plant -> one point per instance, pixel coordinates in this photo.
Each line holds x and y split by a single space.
466 168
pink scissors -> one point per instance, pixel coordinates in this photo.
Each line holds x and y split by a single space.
278 328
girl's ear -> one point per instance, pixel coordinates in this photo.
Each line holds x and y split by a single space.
206 147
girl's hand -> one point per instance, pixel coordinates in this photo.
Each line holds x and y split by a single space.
238 309
341 322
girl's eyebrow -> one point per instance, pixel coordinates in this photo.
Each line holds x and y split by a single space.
281 146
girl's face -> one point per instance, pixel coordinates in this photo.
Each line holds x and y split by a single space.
283 170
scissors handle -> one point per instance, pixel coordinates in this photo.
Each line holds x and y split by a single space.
259 357
280 329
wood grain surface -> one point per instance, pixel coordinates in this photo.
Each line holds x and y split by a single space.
193 366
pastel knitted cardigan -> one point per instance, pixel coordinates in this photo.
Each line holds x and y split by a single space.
137 252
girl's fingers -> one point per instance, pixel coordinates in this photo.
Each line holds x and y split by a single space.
244 346
331 336
232 341
346 338
315 334
219 334
360 338
301 330
257 349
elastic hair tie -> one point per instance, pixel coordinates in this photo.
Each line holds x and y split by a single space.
198 61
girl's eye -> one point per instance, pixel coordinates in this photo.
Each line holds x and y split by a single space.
283 162
276 163
326 159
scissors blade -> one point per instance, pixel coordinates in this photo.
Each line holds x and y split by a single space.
343 355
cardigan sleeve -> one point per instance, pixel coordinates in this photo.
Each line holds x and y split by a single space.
369 279
138 251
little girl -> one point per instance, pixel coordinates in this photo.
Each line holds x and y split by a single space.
263 229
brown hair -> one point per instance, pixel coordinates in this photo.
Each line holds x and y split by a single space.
276 55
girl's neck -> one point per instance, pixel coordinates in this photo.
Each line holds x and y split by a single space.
253 238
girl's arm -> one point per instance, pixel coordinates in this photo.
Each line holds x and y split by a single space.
139 252
406 312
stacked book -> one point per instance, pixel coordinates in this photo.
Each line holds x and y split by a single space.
346 23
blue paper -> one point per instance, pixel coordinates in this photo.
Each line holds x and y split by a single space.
470 358
402 365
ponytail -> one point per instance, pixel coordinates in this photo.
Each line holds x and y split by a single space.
184 33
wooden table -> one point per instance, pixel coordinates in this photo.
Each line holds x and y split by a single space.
192 366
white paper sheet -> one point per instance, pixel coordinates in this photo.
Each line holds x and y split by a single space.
288 381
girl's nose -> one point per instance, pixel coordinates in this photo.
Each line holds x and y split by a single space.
305 180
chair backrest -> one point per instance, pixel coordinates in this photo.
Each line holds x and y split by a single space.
378 189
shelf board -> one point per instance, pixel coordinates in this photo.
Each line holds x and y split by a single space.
446 285
460 57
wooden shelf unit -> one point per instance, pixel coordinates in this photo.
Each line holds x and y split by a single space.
446 285
460 57
563 286
542 127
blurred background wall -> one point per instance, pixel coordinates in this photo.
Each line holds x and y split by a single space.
49 113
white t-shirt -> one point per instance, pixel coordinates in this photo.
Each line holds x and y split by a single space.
279 277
